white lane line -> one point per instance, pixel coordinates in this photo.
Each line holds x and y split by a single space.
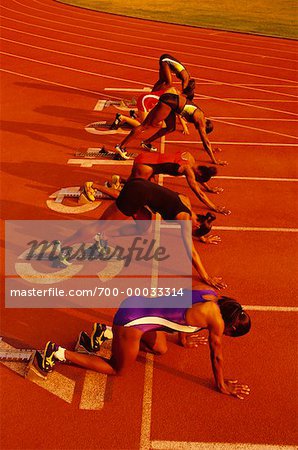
72 69
54 83
180 445
248 104
290 180
149 47
268 144
267 85
223 177
143 38
94 388
222 228
148 57
119 98
271 308
255 128
257 119
262 229
147 403
269 100
98 162
145 89
155 26
149 366
142 68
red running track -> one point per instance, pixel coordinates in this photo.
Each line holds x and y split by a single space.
57 61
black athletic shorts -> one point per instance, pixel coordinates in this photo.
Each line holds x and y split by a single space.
138 193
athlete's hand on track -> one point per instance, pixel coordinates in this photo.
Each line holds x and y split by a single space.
221 163
185 131
216 282
192 340
215 190
217 149
212 239
223 210
232 387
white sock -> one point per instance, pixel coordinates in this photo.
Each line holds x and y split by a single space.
60 354
108 334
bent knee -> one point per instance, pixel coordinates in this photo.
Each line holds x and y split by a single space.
161 350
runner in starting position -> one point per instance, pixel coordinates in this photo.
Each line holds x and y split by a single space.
140 324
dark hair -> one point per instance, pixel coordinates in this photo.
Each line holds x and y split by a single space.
189 91
205 226
209 126
205 173
234 316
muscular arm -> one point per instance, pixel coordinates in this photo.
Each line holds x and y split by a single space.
200 125
214 190
183 124
194 186
186 232
216 329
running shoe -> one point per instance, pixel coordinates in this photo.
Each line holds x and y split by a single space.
83 344
48 358
103 246
100 333
89 191
115 182
133 114
121 152
63 261
149 147
115 125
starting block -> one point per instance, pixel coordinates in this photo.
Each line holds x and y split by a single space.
75 192
104 127
31 358
119 104
103 153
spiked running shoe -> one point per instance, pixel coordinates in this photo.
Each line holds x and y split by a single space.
48 358
89 191
83 344
121 152
133 114
100 333
115 125
148 147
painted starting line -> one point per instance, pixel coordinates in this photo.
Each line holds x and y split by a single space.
180 445
222 228
269 144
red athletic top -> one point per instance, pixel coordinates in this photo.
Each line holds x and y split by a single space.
147 101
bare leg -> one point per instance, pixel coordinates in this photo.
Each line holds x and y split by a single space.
156 115
125 349
87 233
155 342
91 362
133 122
170 127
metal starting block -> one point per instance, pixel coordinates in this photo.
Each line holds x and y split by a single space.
75 192
102 153
30 357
